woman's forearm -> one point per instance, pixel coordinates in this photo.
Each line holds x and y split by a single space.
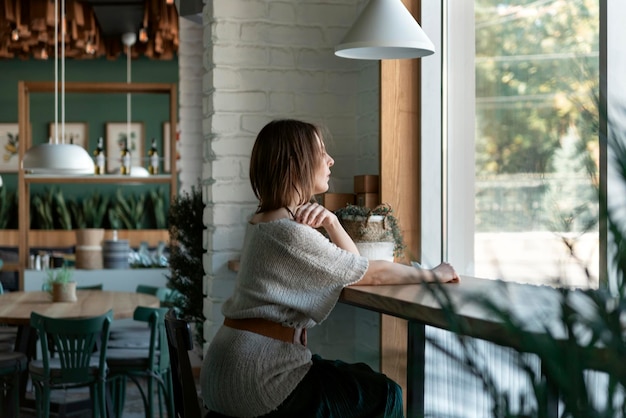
340 237
381 272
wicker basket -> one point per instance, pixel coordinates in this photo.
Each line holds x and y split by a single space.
89 257
64 292
373 228
89 237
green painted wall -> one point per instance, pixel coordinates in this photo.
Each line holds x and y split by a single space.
94 109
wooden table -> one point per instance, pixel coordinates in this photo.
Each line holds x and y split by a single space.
537 307
16 307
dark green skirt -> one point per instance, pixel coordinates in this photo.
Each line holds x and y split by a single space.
334 389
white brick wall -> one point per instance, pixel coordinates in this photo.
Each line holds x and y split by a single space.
190 72
274 59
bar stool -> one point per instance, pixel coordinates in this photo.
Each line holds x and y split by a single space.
12 364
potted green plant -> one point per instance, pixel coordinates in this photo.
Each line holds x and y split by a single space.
89 216
375 232
60 284
89 213
186 227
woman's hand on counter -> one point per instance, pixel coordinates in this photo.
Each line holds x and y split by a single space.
445 273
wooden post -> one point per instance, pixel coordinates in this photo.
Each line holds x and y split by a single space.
400 142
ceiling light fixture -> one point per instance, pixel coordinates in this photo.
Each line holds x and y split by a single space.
129 39
58 158
90 48
143 35
385 29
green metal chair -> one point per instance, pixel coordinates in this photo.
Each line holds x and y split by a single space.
98 286
46 288
80 359
8 333
162 293
12 364
129 333
151 364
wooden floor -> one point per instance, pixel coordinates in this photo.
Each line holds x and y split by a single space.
133 407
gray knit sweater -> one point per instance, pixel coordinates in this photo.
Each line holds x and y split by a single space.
291 274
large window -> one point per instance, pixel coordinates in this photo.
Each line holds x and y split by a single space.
519 154
536 141
512 94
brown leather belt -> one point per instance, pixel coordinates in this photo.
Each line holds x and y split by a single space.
268 328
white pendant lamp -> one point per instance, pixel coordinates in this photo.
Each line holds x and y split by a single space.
385 29
135 171
56 157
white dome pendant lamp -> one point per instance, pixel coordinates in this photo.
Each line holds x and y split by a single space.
385 29
56 157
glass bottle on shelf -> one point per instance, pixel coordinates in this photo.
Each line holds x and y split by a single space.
153 158
125 168
99 158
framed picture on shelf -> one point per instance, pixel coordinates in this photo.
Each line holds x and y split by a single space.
166 147
116 134
9 140
75 133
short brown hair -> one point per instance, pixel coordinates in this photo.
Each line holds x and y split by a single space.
283 163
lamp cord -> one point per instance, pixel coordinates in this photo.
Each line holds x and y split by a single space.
63 29
128 106
56 71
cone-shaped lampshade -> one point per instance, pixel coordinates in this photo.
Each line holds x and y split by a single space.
57 159
385 29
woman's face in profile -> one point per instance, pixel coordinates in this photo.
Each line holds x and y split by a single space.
322 172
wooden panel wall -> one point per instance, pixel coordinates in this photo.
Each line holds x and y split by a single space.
400 180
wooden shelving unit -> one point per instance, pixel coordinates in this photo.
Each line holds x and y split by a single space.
103 179
27 238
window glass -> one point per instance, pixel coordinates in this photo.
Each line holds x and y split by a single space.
536 143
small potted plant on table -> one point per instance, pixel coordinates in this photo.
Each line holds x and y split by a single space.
60 285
